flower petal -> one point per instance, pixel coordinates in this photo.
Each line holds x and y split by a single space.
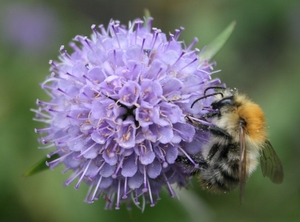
129 167
154 169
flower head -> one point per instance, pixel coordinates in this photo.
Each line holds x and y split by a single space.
118 107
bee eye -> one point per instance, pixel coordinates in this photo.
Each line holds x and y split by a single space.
222 102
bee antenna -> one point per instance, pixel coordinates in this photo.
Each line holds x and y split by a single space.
206 96
213 87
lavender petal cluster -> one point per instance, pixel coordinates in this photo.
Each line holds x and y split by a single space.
117 111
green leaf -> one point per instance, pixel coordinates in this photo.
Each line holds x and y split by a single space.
214 47
40 166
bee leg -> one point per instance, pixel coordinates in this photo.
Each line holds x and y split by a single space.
216 131
189 119
213 151
211 114
200 161
190 166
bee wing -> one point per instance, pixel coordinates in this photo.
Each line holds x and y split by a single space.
243 164
270 164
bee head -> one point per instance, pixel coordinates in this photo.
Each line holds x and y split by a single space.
227 101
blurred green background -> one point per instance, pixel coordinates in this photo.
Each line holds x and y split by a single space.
260 59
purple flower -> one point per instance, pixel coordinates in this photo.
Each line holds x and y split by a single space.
117 111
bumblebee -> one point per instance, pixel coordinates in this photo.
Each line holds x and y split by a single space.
238 138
